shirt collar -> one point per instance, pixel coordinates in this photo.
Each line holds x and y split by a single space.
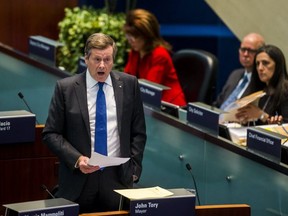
248 74
91 82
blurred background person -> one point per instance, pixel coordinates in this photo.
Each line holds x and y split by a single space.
239 83
150 55
270 74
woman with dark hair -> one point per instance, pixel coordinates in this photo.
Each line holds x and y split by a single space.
150 55
270 73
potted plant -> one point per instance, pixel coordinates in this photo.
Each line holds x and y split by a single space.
78 24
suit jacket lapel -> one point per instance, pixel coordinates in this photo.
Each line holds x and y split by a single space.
238 78
118 92
235 82
81 95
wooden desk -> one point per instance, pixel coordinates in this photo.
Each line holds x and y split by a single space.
24 168
107 213
205 210
223 210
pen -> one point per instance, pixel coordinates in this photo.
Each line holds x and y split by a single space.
284 129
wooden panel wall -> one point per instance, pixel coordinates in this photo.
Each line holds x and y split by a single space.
24 168
20 19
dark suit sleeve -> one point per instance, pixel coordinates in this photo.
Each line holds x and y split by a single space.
55 131
284 111
138 138
132 128
229 86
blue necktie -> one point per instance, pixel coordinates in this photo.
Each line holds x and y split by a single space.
233 96
101 122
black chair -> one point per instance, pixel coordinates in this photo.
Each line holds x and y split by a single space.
197 72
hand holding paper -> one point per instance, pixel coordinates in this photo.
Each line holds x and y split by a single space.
229 115
105 161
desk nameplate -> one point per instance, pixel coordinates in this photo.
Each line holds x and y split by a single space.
203 115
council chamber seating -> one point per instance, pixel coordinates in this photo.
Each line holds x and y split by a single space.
196 70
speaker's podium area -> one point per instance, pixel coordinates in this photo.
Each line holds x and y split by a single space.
205 210
159 201
26 163
54 207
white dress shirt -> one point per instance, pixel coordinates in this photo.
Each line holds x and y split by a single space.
248 74
113 141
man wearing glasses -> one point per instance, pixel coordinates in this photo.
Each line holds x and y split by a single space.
238 83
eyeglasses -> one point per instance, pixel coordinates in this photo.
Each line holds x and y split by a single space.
250 51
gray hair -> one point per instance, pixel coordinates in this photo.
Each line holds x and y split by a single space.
99 41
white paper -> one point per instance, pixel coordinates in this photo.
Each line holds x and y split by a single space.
144 193
105 161
239 135
279 129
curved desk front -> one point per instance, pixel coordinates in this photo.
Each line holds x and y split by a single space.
224 172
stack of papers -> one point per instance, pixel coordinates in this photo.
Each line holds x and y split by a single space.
144 193
279 129
238 135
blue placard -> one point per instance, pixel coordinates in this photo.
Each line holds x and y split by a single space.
151 93
182 202
58 206
44 49
17 127
266 142
203 115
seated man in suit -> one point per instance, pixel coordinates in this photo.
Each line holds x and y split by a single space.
238 84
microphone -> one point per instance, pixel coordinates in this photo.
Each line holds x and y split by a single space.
46 189
188 167
21 96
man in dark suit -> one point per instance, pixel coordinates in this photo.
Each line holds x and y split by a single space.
70 129
247 50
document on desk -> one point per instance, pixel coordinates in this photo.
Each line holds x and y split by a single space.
238 135
105 161
144 193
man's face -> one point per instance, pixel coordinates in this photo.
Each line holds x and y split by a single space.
100 63
247 52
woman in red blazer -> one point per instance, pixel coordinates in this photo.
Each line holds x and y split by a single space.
150 57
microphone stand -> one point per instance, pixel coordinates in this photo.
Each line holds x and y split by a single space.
189 169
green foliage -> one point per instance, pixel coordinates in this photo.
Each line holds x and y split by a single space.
78 24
